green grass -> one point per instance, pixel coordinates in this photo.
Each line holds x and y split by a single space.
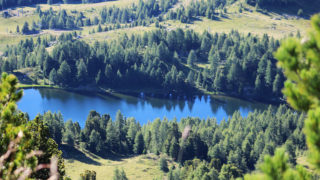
136 167
22 86
247 22
8 35
8 26
89 7
113 34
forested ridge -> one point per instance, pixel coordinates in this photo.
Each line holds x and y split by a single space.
57 48
232 148
141 14
203 147
241 65
4 4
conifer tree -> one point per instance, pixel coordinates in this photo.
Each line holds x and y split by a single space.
119 175
25 28
138 143
64 73
301 63
192 58
53 77
82 72
163 165
21 141
88 175
276 84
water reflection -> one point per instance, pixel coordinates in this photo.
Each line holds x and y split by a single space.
76 106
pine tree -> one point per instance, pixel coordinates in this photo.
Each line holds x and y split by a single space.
88 175
269 74
300 62
213 59
258 85
219 80
64 73
276 85
34 27
301 88
233 75
138 143
69 24
190 78
18 29
192 58
25 138
111 137
163 165
25 28
99 29
82 72
119 175
119 129
163 52
6 67
53 77
174 148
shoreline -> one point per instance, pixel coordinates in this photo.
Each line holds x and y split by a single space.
152 93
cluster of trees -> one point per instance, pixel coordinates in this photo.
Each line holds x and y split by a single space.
26 146
207 149
92 175
57 20
213 9
141 14
239 65
137 13
273 2
234 146
4 4
300 61
210 9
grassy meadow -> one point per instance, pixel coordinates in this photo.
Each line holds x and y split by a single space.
136 167
273 23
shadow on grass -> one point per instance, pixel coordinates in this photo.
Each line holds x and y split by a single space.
115 157
23 78
199 18
85 156
72 153
309 7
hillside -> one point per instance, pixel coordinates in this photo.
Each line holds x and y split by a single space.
133 54
275 23
136 167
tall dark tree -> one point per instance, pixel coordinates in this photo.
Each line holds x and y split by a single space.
138 143
64 73
25 28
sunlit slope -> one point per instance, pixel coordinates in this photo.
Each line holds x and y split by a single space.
277 24
136 167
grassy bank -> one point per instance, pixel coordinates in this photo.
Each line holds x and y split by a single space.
136 167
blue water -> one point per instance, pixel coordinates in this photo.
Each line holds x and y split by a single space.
77 106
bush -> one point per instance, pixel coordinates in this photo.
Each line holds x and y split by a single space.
88 175
163 165
119 175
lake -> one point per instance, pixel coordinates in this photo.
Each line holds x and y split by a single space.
76 106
